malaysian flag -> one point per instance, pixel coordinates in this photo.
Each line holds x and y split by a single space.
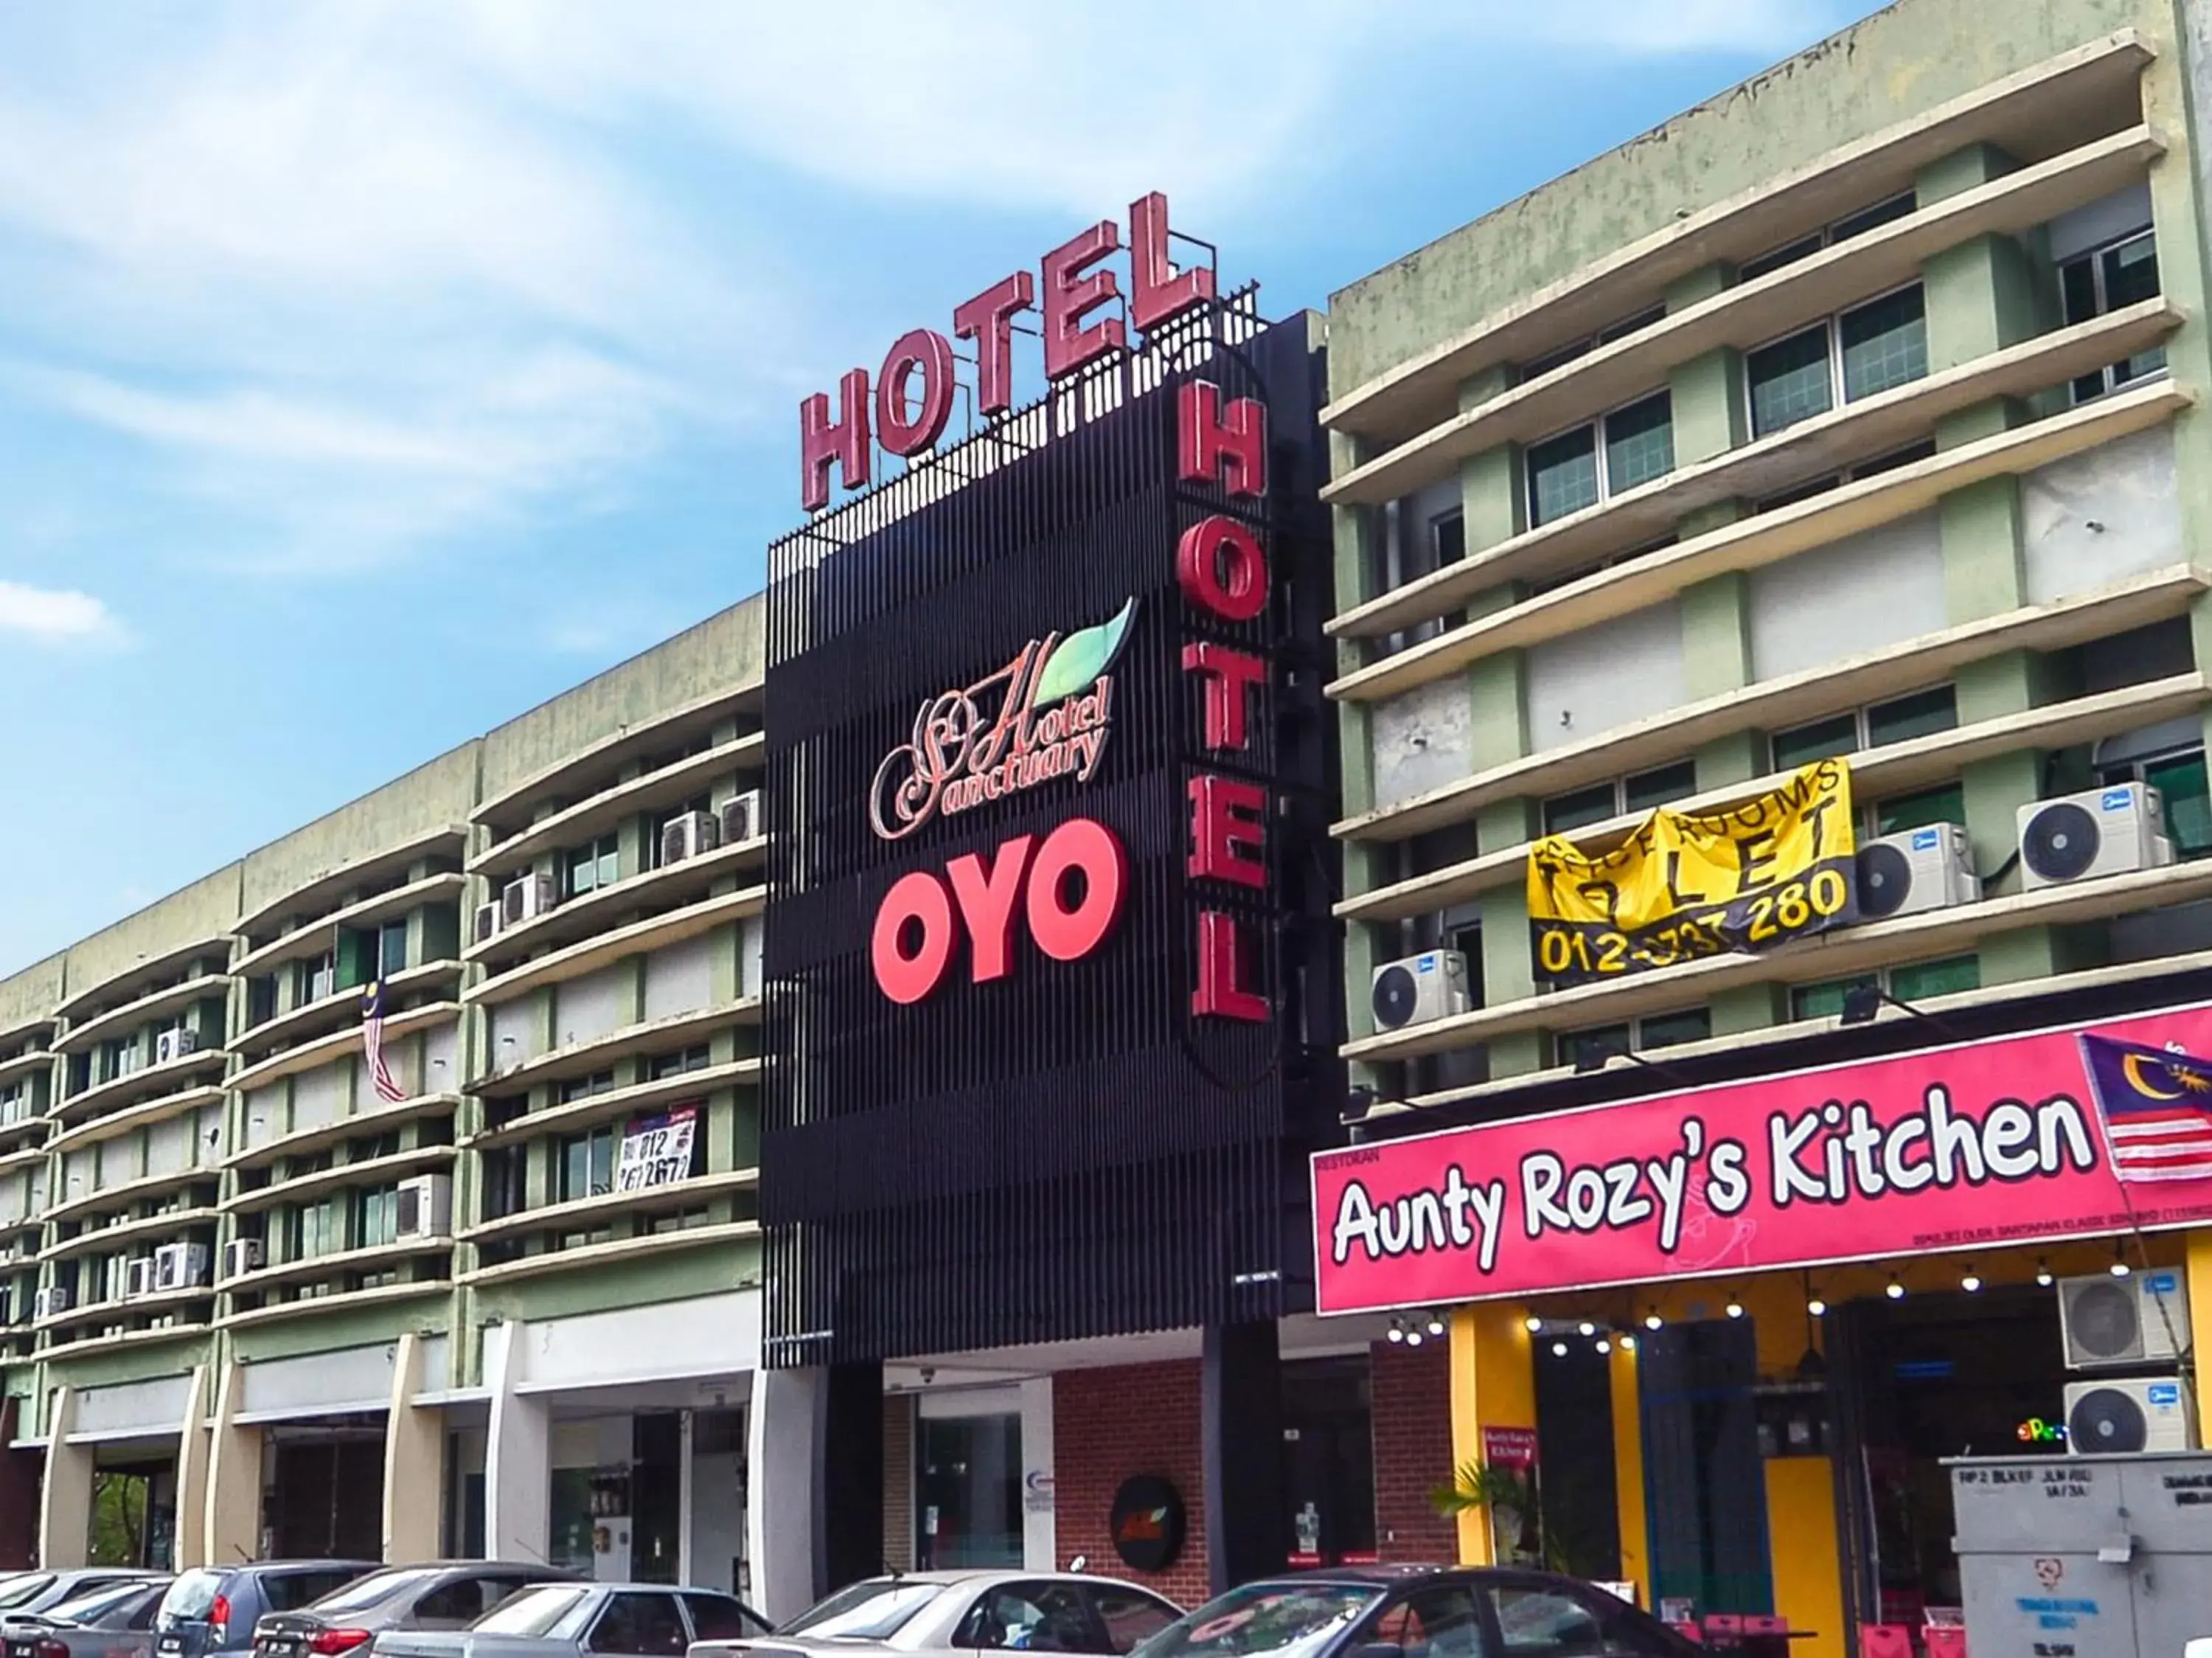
2157 1106
372 1044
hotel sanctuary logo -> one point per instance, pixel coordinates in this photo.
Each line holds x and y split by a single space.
1053 711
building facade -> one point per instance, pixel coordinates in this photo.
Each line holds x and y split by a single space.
1852 418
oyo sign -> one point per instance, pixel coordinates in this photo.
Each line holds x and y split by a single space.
912 399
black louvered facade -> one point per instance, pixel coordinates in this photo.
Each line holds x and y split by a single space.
1067 1151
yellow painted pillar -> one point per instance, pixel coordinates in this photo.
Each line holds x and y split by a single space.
1494 1385
413 1462
233 1478
1628 1474
65 1498
2200 1313
192 1452
1806 1556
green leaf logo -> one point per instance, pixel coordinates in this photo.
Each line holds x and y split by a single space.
1078 661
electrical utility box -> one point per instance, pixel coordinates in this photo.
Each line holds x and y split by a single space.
2084 1556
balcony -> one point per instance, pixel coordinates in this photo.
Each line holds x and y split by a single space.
655 1036
593 769
1767 466
134 1085
599 814
304 1142
322 1050
149 970
1838 955
2042 110
374 1259
314 937
370 1171
1767 538
585 1256
30 1128
27 1064
124 1193
575 1116
583 1214
1895 769
653 933
115 1311
343 1300
129 1119
168 1227
1791 699
311 1023
671 884
132 1015
327 886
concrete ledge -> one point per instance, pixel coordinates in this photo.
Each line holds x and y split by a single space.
147 1080
626 1042
1833 955
314 937
150 1006
368 1171
332 1265
321 1050
308 1307
671 884
652 934
1791 699
449 838
131 1118
2025 115
1896 768
597 813
131 1307
582 1211
130 1192
27 1064
596 1108
306 1140
128 1341
609 752
99 1238
153 967
566 1260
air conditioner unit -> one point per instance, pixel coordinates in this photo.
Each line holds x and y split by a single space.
1419 987
426 1207
526 897
2100 832
741 818
48 1304
175 1045
243 1255
1930 868
2142 1319
2131 1413
140 1280
689 835
490 917
180 1267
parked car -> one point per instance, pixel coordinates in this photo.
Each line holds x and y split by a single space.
114 1621
214 1609
584 1620
35 1591
447 1595
1394 1611
959 1611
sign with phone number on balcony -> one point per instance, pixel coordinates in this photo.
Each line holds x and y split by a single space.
1687 885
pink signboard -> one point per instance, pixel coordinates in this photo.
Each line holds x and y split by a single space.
2056 1134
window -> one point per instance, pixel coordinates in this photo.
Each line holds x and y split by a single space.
2108 280
640 1623
534 1612
1873 727
1538 1621
2179 777
582 1087
312 979
1448 536
1915 981
314 1230
587 1164
1285 1617
1640 791
874 1610
1842 230
1436 1622
1589 1050
1538 367
1900 813
1029 1617
593 867
1128 1616
675 1065
261 999
1868 349
1579 468
392 948
376 1217
720 1617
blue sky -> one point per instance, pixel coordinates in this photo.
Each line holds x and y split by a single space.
370 372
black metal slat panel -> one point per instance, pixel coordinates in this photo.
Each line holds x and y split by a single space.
1066 1152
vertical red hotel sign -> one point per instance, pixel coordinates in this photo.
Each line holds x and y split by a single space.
1221 568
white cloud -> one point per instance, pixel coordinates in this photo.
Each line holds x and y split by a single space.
55 616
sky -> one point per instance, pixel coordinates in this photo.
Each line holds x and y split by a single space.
371 371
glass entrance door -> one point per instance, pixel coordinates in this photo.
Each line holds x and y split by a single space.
968 1510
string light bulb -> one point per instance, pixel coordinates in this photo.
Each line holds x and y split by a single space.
1558 1350
1588 1328
2043 1278
1896 1289
1735 1304
1397 1330
1604 1345
2120 1267
1653 1321
1815 1306
1970 1281
1535 1325
1436 1323
1628 1343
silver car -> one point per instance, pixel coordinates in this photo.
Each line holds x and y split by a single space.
582 1621
115 1620
953 1613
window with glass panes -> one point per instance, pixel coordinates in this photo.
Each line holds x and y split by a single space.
313 1230
376 1217
1640 791
1896 207
2180 779
1579 468
1863 351
586 1164
2110 279
392 948
1914 982
1900 813
582 1087
1589 1049
313 979
1874 726
594 866
675 1065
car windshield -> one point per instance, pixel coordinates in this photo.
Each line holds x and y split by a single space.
16 1590
873 1611
531 1611
189 1597
1270 1618
370 1590
90 1608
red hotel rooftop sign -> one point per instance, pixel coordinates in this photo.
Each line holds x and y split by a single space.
1954 1148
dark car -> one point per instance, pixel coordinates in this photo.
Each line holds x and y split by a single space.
1418 1612
441 1595
115 1620
212 1609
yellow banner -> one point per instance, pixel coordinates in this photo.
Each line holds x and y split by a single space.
1686 885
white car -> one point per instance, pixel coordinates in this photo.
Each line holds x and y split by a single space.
948 1614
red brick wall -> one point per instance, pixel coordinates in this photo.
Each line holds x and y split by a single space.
1412 1451
1109 1424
